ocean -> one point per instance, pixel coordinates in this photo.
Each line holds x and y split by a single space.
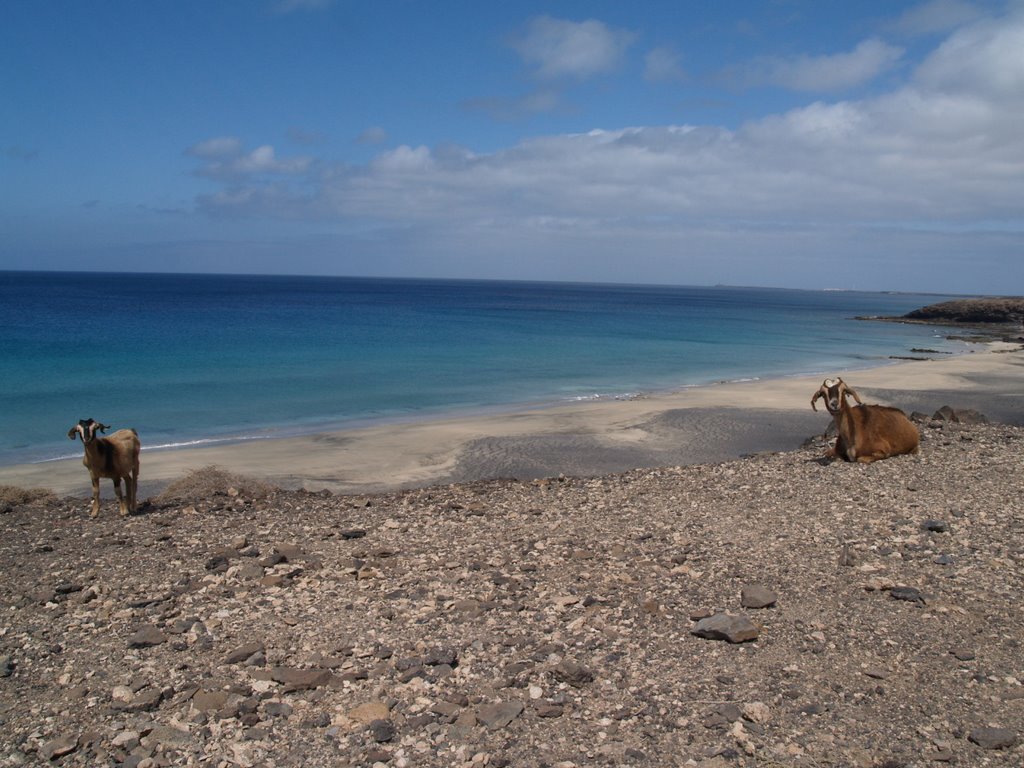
197 359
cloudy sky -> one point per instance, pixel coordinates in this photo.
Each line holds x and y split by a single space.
796 143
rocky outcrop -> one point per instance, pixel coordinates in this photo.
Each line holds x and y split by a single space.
1001 311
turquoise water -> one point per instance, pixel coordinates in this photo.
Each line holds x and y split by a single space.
193 358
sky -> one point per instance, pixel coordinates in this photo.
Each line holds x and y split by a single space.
871 145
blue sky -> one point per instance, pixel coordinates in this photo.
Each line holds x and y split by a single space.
795 143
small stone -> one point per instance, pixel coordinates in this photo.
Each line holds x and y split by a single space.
278 709
353 533
125 739
963 654
935 526
993 738
756 712
499 715
244 652
757 596
381 731
572 673
724 626
59 747
146 637
876 672
548 709
367 713
209 701
147 701
301 679
943 560
910 594
438 656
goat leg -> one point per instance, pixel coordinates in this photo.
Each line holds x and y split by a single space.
95 497
133 490
121 503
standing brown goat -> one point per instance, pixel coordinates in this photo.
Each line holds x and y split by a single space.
866 432
115 457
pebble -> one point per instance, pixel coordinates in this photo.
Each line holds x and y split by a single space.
910 594
757 596
568 671
456 606
724 626
381 731
58 747
147 636
993 738
500 714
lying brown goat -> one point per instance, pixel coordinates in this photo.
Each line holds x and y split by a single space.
866 432
115 457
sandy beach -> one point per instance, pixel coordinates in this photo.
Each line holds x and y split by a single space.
696 425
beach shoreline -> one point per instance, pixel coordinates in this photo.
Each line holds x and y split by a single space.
692 425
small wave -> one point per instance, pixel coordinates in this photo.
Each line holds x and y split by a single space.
168 446
206 441
617 396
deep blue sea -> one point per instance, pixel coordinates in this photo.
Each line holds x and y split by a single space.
187 359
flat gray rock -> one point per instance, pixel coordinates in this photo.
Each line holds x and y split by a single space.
146 637
757 596
993 738
724 626
499 715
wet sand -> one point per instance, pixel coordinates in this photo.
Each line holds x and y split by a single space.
696 425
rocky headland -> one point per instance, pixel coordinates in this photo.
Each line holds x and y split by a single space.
776 610
998 317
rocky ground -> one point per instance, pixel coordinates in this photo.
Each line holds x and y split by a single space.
872 616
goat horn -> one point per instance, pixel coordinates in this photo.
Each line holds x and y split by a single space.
815 399
853 394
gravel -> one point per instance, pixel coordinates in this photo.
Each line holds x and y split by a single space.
537 623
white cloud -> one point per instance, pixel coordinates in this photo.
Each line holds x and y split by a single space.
942 153
562 48
825 73
983 58
225 159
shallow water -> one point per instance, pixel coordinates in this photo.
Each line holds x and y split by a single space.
193 358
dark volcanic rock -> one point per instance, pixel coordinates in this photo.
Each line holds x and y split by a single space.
572 673
972 311
959 415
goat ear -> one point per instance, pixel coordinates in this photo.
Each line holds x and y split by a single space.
815 399
102 427
854 395
72 433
